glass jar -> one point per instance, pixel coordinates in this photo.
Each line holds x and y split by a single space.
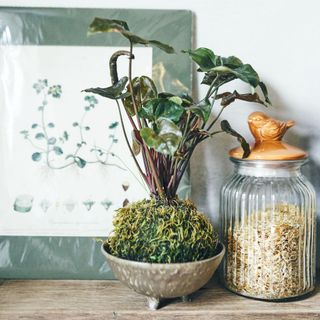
269 223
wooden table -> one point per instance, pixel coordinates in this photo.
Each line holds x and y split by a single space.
101 300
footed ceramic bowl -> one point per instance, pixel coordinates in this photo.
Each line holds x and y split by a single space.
164 280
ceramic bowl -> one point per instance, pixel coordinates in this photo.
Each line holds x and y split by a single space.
164 280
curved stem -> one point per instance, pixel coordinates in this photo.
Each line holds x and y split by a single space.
35 146
215 119
113 64
209 93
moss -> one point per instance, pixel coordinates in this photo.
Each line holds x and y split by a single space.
158 232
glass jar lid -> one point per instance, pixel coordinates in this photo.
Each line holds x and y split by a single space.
268 133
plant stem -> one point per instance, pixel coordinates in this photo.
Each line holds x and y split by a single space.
209 93
215 119
128 143
131 87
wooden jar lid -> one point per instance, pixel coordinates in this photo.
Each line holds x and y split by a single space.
268 133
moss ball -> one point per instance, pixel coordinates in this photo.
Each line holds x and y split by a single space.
161 232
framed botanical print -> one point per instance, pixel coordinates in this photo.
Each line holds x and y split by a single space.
64 166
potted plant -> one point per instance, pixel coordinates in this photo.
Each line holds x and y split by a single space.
164 247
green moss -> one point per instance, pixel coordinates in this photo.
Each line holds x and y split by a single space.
158 232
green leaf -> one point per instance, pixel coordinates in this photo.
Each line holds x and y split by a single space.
232 62
39 136
58 151
225 126
176 100
223 78
36 156
228 68
264 90
202 109
186 100
204 57
80 162
245 73
108 25
75 124
35 125
51 125
113 92
165 139
52 140
144 89
161 108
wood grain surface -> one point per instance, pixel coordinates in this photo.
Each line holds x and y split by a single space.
101 300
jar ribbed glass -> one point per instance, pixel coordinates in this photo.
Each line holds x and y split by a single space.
269 230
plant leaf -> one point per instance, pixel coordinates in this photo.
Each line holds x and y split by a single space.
52 140
264 90
36 156
65 135
108 25
204 57
225 126
228 97
58 151
136 144
81 163
39 136
245 73
144 89
167 138
113 125
164 47
161 108
202 109
223 78
232 62
113 92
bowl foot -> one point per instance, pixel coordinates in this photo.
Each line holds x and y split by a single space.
185 298
153 303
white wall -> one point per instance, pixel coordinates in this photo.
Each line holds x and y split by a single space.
280 38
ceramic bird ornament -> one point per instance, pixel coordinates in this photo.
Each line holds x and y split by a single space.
268 133
265 128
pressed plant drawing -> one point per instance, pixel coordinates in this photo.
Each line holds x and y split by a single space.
47 147
54 149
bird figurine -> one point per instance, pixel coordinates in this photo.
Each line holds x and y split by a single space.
265 128
268 133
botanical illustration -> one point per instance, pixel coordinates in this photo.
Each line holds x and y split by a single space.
48 147
67 148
